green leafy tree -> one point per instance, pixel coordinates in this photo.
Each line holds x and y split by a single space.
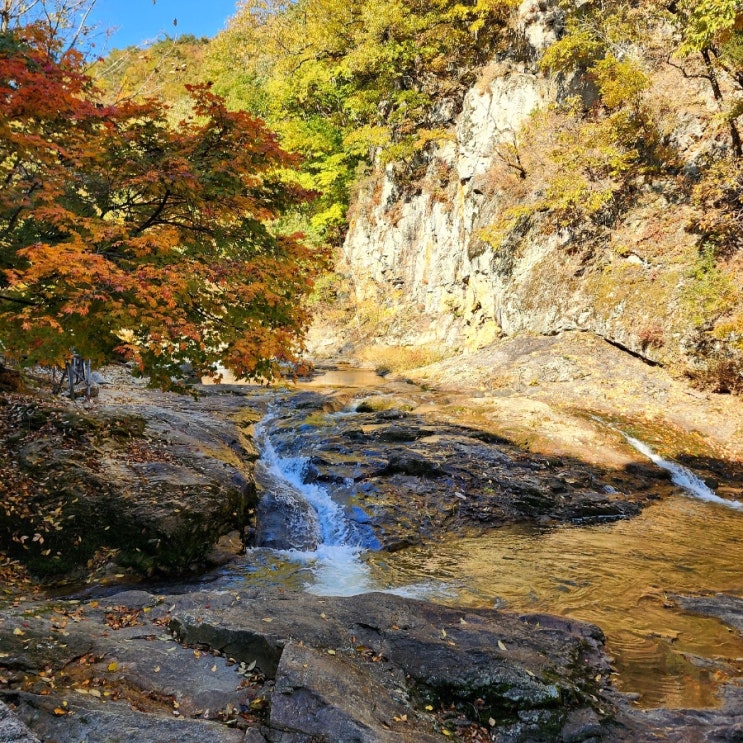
342 82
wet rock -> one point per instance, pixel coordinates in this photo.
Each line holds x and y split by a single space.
412 465
419 478
284 518
646 471
340 468
393 414
594 507
728 609
395 434
700 726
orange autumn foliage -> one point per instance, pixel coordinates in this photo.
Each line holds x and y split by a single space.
121 234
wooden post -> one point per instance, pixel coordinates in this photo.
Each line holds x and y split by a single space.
87 372
70 369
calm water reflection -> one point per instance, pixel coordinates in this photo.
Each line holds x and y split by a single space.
620 576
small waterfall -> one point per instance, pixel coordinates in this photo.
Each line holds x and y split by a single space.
336 564
683 477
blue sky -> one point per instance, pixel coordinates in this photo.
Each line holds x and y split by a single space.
142 20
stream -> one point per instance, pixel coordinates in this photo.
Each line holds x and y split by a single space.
621 575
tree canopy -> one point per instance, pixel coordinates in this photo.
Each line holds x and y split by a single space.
343 81
121 233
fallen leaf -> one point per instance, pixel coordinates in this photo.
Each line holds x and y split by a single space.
113 666
214 668
491 722
331 652
267 619
18 631
252 666
501 645
156 669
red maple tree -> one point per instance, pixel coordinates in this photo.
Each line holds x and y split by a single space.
121 233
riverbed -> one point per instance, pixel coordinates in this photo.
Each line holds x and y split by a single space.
621 575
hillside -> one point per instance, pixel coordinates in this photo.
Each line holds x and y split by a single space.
488 169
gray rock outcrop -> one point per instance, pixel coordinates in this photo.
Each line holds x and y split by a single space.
423 252
293 668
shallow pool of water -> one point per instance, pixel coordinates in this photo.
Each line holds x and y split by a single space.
621 576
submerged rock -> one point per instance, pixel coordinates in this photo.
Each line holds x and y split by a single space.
728 609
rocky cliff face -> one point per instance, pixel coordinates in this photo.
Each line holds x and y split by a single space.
421 262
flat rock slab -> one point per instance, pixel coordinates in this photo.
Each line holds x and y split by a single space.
292 668
503 665
728 609
273 667
114 722
324 695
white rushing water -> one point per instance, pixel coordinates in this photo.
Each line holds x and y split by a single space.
336 564
683 477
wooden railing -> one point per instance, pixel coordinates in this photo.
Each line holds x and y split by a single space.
77 371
